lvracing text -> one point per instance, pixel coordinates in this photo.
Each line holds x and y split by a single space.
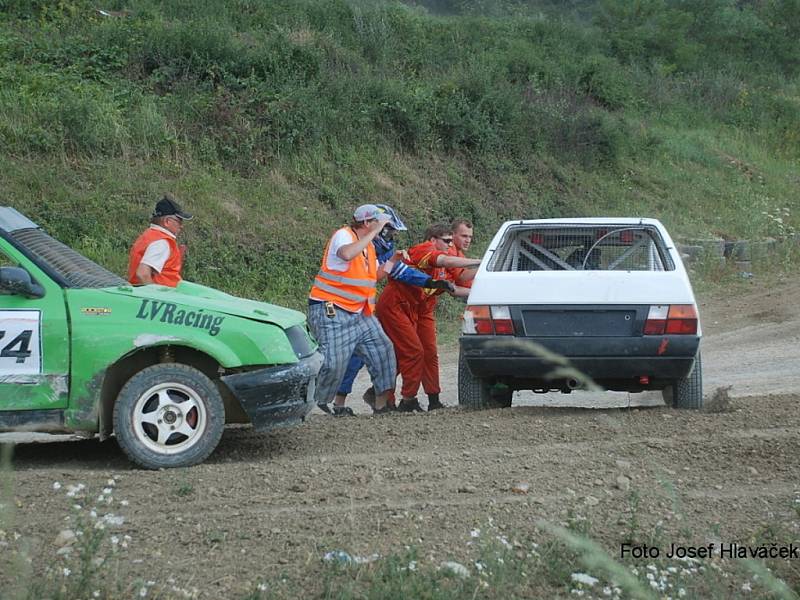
167 312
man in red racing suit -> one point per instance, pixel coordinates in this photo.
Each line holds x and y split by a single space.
407 316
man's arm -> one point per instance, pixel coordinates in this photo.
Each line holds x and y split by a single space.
411 276
385 268
448 261
348 252
460 292
466 276
153 261
144 274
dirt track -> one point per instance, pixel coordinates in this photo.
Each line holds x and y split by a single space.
270 506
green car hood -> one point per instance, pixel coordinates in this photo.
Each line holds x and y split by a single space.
201 297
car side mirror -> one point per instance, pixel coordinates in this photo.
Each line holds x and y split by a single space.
17 281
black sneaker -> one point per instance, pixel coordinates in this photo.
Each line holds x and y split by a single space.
434 404
369 397
343 411
324 408
409 405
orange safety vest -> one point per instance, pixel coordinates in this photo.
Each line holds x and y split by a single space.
171 273
352 290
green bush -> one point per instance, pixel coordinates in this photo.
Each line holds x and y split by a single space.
604 80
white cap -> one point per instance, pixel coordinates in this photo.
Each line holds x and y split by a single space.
367 212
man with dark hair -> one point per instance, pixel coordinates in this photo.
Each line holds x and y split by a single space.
155 256
407 316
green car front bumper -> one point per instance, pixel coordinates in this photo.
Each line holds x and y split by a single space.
277 396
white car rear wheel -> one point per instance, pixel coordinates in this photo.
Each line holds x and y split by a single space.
477 392
687 393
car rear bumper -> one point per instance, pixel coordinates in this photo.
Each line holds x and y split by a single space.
277 396
662 359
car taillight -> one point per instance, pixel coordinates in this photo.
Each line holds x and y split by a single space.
501 318
477 320
675 319
656 321
682 319
488 320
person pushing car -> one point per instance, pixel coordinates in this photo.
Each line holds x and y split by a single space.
407 315
462 239
385 249
341 306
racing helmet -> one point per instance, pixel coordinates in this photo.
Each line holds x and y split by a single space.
395 222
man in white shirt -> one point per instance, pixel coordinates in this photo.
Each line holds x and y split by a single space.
155 256
341 307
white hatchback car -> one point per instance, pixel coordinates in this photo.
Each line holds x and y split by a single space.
562 304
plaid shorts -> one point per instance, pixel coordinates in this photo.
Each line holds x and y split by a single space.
343 335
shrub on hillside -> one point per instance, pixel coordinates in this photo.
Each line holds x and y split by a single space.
460 123
398 110
606 82
44 10
591 138
689 35
647 30
43 112
565 125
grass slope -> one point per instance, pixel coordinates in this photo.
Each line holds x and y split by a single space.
272 120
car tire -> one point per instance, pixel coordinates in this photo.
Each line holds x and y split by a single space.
687 393
500 396
477 392
168 415
473 392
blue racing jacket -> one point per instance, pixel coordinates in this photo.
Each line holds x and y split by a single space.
401 271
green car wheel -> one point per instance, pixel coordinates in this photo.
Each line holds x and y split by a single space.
168 415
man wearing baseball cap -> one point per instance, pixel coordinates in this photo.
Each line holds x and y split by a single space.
155 256
341 307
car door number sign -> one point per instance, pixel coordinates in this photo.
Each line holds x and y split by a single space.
20 347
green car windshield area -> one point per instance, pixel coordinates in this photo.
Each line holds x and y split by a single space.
161 369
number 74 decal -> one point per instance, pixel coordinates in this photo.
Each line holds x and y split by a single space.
20 342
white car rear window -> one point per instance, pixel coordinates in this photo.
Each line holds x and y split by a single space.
581 248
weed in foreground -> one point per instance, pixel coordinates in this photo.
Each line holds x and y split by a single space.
564 561
184 487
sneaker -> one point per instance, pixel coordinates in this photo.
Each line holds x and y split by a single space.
434 404
389 408
409 405
343 411
324 408
369 397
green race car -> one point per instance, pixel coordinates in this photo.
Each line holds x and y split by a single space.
163 369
